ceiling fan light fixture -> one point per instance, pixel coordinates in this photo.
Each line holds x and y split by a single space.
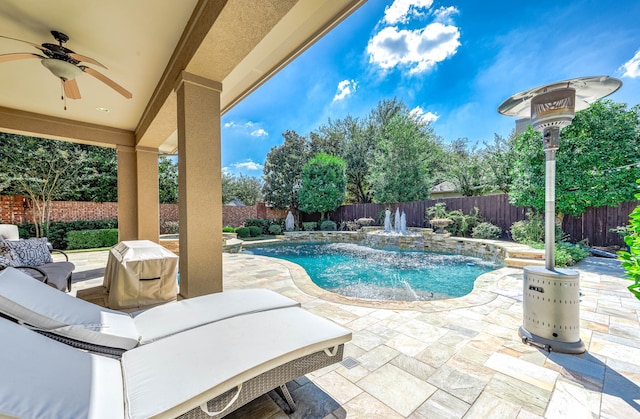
61 69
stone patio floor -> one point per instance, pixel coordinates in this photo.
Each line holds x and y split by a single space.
450 359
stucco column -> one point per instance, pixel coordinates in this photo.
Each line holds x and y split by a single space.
127 194
148 199
200 187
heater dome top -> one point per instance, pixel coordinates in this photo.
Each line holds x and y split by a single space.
588 90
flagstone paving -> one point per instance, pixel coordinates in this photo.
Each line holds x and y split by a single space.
454 358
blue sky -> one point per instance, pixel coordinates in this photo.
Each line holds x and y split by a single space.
453 62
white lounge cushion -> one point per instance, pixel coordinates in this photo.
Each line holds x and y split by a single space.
30 301
167 319
42 378
211 359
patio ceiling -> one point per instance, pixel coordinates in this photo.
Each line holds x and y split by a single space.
146 44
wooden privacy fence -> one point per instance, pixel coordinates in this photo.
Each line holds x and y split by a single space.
593 225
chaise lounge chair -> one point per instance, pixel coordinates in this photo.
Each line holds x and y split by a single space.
219 366
98 329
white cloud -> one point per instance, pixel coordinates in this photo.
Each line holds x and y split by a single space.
247 165
233 124
401 10
443 14
259 133
419 49
345 88
425 117
632 67
250 128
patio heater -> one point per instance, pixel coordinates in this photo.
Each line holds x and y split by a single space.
551 297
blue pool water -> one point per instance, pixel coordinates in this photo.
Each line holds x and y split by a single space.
363 272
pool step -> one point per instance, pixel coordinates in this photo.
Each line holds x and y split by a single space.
526 253
522 262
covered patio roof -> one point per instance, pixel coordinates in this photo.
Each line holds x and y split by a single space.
185 63
146 45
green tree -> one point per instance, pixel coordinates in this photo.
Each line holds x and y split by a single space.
405 159
631 259
349 139
322 184
497 162
227 188
167 180
464 168
246 189
41 170
282 170
100 175
595 165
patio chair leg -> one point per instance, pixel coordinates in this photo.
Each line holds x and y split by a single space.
288 398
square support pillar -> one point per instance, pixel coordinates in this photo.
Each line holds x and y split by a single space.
127 194
148 196
200 187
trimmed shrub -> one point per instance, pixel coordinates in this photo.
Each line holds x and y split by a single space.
58 230
531 230
228 229
309 225
486 231
243 232
169 227
255 231
262 223
567 254
275 229
328 225
91 239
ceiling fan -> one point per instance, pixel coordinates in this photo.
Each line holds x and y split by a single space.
64 64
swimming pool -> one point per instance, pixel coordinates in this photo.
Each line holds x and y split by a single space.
380 274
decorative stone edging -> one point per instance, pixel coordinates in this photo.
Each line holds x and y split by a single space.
416 239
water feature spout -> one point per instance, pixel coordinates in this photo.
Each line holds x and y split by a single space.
403 222
396 221
289 222
387 221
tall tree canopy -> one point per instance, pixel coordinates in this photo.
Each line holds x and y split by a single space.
596 164
282 170
167 180
322 185
406 159
464 168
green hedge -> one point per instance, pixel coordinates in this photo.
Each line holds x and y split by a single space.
91 239
58 230
265 223
243 232
254 231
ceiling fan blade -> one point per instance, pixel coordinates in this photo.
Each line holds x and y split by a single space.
40 47
18 56
115 86
71 89
85 59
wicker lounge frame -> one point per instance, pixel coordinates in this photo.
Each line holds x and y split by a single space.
263 383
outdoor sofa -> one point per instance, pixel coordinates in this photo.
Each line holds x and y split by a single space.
215 367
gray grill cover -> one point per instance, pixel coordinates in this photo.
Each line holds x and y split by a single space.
140 273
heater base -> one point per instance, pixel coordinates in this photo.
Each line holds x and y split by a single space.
551 345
